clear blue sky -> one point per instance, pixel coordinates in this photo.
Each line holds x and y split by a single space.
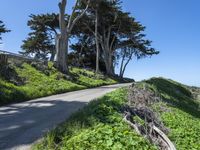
172 25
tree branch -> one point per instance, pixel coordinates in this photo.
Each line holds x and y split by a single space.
70 27
62 6
99 36
70 18
114 37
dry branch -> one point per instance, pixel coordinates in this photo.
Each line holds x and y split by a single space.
140 101
134 126
165 138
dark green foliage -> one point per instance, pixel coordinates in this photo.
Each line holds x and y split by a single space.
41 41
2 29
38 44
120 36
84 54
98 126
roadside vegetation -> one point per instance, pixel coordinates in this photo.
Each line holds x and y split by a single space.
104 37
182 112
20 82
100 124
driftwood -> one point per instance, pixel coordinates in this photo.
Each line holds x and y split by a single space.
155 135
140 100
165 138
132 125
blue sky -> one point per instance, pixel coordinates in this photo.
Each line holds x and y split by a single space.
172 25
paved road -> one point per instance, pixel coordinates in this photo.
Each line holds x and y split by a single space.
24 123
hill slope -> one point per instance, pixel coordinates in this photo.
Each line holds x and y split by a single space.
100 125
183 112
19 82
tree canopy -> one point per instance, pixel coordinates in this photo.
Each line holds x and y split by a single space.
117 31
3 29
41 41
102 32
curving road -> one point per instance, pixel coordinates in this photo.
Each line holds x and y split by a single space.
24 123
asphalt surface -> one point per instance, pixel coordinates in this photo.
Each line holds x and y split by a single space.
23 124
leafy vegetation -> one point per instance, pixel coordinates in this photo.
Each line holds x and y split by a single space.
90 79
180 112
3 29
25 81
98 126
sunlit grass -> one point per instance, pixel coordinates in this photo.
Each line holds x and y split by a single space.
39 83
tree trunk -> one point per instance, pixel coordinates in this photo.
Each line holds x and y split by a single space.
121 67
61 62
109 64
62 41
53 54
65 31
108 57
97 41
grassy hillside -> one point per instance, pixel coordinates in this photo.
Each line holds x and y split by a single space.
100 125
182 115
21 82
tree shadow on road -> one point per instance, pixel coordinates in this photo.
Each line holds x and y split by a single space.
23 124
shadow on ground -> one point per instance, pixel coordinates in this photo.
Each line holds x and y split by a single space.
23 124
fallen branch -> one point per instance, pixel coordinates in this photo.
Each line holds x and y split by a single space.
139 105
155 135
131 124
165 138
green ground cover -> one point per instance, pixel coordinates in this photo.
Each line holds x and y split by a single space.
24 82
100 124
